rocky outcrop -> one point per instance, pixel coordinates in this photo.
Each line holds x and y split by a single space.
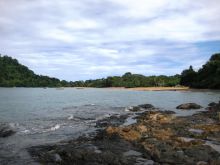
5 130
141 107
173 140
188 106
214 110
99 150
158 137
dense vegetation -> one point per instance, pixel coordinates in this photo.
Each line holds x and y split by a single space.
130 80
13 74
206 77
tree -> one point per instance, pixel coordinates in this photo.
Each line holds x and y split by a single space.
188 77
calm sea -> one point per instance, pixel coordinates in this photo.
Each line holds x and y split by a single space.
49 115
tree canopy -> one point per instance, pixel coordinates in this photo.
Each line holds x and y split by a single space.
206 77
14 74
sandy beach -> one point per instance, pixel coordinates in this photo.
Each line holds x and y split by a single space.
154 88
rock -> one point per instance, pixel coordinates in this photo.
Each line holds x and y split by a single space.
113 120
140 107
157 137
218 115
132 153
57 158
201 163
141 161
169 112
6 130
196 131
134 109
212 104
189 106
146 106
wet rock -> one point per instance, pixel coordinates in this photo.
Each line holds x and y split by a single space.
112 150
169 112
212 104
132 153
201 153
189 106
146 106
196 131
202 163
128 134
57 158
157 137
140 107
6 130
134 108
114 120
141 161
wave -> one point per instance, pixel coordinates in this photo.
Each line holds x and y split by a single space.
89 104
71 117
54 128
26 131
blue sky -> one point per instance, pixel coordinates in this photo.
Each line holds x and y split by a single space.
88 39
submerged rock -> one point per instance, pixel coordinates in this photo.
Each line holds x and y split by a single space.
6 130
146 106
189 106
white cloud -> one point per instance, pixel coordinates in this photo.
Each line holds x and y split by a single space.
57 34
88 39
81 24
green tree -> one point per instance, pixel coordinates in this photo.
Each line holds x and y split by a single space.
188 77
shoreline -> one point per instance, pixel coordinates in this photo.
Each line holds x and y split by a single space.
157 137
154 88
141 88
131 89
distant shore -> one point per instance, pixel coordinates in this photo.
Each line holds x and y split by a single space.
154 88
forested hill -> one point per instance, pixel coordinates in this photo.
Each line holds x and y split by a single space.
13 74
206 77
130 80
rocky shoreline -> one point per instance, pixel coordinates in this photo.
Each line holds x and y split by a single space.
156 137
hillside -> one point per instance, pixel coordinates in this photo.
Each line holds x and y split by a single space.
206 77
14 74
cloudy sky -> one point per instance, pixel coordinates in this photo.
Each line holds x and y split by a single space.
88 39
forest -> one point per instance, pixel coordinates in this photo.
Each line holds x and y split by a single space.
206 77
14 74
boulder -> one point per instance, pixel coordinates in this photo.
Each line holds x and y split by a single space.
189 106
140 107
212 104
6 130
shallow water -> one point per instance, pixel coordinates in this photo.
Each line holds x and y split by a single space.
49 115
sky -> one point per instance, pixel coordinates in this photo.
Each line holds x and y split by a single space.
89 39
